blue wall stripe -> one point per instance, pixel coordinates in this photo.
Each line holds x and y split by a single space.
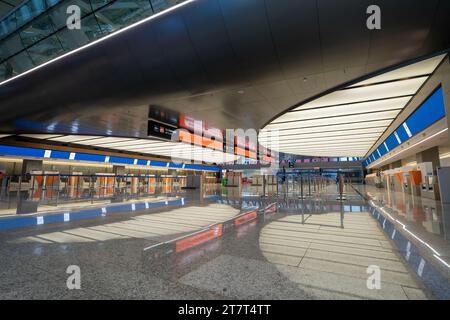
56 154
17 222
433 279
430 111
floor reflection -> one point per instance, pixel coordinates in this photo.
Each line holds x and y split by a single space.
147 226
427 219
246 247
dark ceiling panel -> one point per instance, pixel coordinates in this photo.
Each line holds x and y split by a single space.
404 31
295 30
439 32
340 21
250 33
173 37
233 63
204 22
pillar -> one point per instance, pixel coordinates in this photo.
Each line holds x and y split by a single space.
429 155
119 170
31 165
24 204
396 164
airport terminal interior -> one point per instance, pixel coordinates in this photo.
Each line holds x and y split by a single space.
224 149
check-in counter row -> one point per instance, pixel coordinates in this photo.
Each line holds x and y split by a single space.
417 180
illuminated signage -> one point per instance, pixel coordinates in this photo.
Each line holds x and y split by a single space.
159 130
430 111
198 238
245 218
164 115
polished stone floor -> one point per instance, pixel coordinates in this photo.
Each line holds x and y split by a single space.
311 249
427 221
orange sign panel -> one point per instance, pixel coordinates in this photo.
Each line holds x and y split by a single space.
199 238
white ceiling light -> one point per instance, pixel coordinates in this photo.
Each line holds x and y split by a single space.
98 141
368 93
70 138
355 128
347 122
321 122
424 67
40 136
347 143
325 136
345 109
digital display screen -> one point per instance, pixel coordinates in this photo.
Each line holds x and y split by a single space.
156 129
164 115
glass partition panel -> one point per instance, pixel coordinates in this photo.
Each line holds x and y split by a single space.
8 25
10 46
122 13
36 30
39 27
45 50
72 39
29 10
20 62
3 72
160 5
99 3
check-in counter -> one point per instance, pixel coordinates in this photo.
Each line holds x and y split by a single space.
151 185
271 180
257 180
234 179
432 213
389 179
134 184
374 179
398 180
181 181
406 178
429 185
415 178
44 184
105 184
74 184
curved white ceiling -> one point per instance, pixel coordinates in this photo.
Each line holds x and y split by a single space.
347 122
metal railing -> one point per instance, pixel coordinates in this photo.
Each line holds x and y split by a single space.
304 186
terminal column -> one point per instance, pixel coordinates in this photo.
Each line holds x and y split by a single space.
31 165
26 204
119 170
429 155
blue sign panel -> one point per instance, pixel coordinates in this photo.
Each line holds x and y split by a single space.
430 111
